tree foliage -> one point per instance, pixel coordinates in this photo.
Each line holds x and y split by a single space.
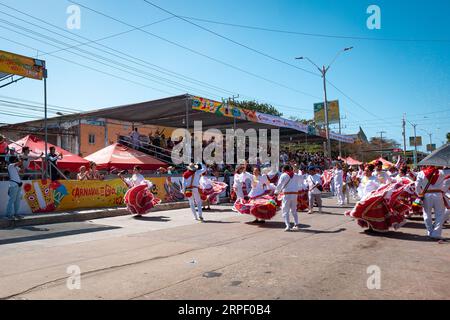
261 107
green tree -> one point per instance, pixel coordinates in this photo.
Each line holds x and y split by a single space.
261 107
448 137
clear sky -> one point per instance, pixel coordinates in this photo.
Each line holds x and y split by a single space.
383 78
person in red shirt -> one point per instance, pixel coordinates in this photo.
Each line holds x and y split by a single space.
3 151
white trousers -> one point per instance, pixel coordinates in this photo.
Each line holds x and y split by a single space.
289 206
317 197
196 200
339 193
434 201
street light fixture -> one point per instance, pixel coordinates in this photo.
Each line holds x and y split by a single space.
323 72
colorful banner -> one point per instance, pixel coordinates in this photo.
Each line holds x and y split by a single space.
44 196
15 64
222 109
333 112
210 106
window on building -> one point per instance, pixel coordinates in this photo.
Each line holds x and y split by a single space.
91 138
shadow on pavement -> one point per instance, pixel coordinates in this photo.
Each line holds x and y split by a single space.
275 225
220 222
153 219
400 236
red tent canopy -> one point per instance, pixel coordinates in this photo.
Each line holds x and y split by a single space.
386 164
69 162
352 162
122 157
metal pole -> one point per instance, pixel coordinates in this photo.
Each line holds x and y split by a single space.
47 170
340 145
415 146
327 128
404 135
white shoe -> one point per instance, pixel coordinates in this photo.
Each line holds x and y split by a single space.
295 228
287 229
310 212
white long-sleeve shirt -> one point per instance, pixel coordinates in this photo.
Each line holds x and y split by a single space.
312 181
205 182
422 181
194 180
288 184
136 180
338 176
259 186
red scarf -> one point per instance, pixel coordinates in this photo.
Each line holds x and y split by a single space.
187 174
430 174
290 173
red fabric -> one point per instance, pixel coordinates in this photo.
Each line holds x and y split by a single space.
124 158
3 147
188 173
302 200
386 207
290 173
212 193
264 207
140 200
326 179
69 162
274 179
352 162
430 174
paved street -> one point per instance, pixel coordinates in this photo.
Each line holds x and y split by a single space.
167 255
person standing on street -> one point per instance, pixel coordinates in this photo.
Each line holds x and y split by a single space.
191 182
15 189
430 187
288 186
338 180
314 182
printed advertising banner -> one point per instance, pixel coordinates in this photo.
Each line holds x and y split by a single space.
44 196
15 64
333 112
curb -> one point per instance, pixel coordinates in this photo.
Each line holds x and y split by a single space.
82 215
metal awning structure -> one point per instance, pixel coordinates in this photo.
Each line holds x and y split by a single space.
181 112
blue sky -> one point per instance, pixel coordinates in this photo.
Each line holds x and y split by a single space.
384 79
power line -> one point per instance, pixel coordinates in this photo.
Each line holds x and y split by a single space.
313 34
194 51
166 71
230 40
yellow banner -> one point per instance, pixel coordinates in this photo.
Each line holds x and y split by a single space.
15 64
43 196
333 112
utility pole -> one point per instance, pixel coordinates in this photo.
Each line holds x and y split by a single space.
381 142
415 145
229 103
404 134
323 72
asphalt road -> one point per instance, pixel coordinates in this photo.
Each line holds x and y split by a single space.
167 255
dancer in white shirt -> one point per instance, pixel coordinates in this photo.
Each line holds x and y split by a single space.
288 187
430 187
314 182
338 179
191 181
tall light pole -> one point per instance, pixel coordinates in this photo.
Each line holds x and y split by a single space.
414 125
323 72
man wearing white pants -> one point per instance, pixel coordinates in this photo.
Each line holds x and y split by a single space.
338 176
191 181
430 186
288 186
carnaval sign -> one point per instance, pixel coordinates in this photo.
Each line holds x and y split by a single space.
44 196
15 64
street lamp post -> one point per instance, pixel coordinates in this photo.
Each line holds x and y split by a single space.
323 72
